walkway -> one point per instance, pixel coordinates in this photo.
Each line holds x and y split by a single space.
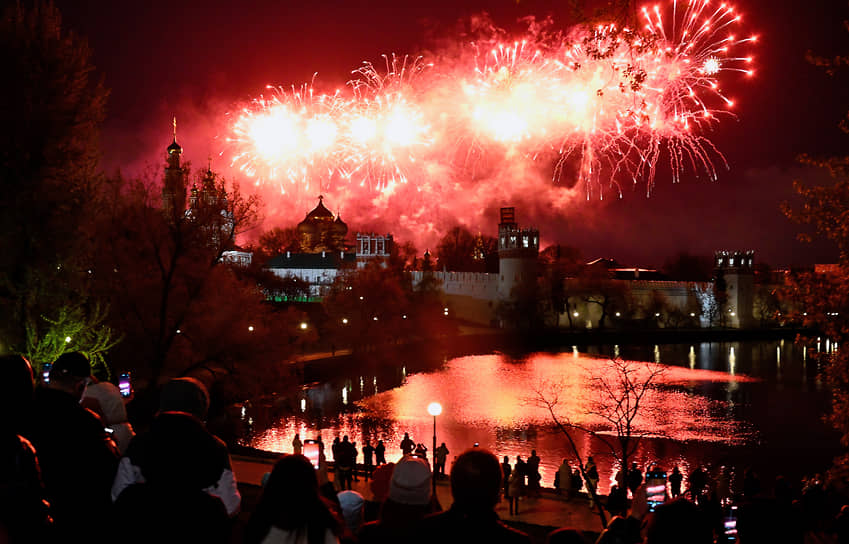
549 510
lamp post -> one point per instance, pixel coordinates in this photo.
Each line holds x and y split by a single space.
434 409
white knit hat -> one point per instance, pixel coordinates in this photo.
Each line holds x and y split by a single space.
411 481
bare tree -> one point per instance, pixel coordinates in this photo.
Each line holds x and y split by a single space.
621 388
618 394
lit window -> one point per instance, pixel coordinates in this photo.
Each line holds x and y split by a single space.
524 241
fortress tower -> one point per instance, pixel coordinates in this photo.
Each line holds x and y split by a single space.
736 268
518 250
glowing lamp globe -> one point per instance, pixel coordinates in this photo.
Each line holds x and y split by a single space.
434 409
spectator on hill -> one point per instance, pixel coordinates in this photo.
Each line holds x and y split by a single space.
625 529
380 453
409 500
515 488
346 457
407 445
351 503
77 457
24 512
696 484
676 521
634 478
368 459
440 456
506 473
381 477
420 451
291 510
563 479
534 476
577 483
475 486
178 450
591 472
104 399
675 480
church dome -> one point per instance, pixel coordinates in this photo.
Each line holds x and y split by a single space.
320 213
174 147
339 227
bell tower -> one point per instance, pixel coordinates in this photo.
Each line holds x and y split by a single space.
174 183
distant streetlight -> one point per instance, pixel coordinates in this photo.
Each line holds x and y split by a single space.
67 339
375 318
303 325
251 328
344 320
434 409
575 314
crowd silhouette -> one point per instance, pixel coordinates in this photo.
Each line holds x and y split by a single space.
74 470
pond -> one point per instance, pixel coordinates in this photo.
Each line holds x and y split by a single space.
739 404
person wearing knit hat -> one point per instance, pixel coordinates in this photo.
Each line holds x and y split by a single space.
408 502
411 481
352 504
185 395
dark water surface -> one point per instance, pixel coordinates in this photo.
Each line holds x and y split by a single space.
748 403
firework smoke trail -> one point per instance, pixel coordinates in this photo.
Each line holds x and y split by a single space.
613 100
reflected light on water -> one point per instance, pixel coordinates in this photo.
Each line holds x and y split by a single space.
489 399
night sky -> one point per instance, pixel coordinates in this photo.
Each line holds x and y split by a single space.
196 59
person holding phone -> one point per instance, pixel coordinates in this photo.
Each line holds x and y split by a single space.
106 400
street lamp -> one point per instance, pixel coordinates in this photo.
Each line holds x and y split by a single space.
434 409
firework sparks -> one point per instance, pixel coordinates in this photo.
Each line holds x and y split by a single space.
616 99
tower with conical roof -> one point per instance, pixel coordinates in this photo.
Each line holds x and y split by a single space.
174 184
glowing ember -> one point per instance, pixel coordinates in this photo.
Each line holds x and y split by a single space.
711 66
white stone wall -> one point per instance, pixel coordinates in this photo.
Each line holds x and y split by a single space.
478 285
319 279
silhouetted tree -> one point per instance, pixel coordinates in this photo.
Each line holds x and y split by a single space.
50 111
276 241
597 288
182 309
366 306
618 390
820 299
456 250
